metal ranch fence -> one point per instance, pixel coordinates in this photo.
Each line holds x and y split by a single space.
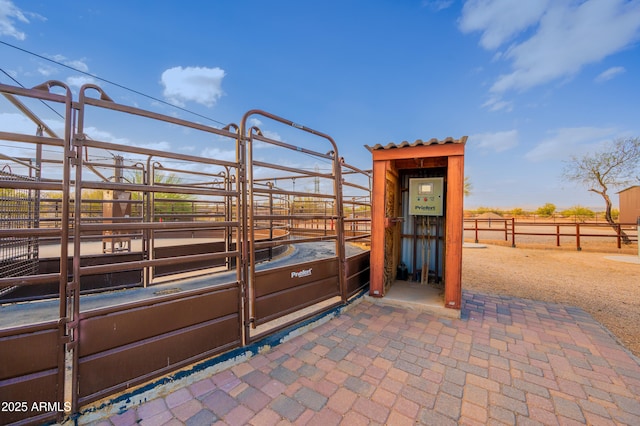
555 233
145 259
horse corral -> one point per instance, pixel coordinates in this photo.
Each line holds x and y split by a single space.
122 261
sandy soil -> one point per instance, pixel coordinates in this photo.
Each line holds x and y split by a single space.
607 289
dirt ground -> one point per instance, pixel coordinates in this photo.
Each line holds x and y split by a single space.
609 290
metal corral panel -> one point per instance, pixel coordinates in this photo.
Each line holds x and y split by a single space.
185 250
357 273
29 370
127 345
281 291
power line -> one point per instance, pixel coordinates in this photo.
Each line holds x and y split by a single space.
112 83
43 102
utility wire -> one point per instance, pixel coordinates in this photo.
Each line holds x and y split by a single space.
117 85
43 102
112 83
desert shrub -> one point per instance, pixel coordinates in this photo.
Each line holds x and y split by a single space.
547 210
579 213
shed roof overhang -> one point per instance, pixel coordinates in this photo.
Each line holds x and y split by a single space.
419 149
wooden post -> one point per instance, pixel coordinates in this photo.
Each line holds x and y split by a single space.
376 286
453 233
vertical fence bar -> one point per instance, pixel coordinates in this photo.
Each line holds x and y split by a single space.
513 232
476 229
578 237
557 235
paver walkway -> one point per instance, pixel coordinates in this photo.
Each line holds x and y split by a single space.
506 361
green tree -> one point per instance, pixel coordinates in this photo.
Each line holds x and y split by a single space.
468 187
166 203
547 210
615 214
580 213
518 212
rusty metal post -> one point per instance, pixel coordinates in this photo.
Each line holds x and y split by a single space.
243 234
340 241
578 236
513 232
270 185
250 243
476 229
506 234
64 314
147 203
557 235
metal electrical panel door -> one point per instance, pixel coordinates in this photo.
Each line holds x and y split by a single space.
426 196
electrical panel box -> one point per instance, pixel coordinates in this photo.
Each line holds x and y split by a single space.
426 196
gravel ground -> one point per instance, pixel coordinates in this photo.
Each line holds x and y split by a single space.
609 290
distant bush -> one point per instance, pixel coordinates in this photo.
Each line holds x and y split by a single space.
579 213
482 210
547 210
615 214
518 212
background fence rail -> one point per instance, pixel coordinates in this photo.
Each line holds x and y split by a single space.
552 233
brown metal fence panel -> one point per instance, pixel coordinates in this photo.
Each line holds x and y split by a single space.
180 211
189 239
281 291
275 201
32 360
121 347
30 373
357 273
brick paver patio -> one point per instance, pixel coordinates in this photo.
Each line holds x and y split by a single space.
506 361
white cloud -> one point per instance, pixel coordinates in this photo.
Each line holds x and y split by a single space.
219 154
254 122
609 74
106 136
495 103
45 71
565 142
498 141
198 84
80 80
498 20
550 40
9 15
437 5
17 123
78 64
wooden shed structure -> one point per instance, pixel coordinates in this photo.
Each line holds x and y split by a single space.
417 216
629 204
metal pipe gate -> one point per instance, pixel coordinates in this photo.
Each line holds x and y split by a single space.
206 251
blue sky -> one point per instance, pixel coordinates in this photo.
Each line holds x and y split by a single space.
531 83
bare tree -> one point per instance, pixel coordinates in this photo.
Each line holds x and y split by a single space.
616 165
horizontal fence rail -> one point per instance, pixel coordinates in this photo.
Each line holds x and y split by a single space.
550 233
